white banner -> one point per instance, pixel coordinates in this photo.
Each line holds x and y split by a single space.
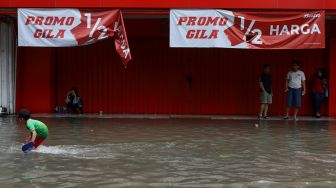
207 28
72 27
181 36
38 27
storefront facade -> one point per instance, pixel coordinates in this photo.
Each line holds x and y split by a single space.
163 80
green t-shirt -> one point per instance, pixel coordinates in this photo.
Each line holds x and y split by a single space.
40 128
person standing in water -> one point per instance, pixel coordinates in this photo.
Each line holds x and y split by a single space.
265 84
38 130
320 89
295 89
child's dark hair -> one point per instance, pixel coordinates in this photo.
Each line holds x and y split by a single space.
265 66
75 90
24 114
296 62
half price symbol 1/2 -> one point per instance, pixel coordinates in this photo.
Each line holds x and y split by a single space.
258 32
96 27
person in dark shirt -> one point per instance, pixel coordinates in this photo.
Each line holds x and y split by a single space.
265 84
73 101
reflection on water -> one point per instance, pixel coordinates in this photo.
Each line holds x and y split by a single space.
90 152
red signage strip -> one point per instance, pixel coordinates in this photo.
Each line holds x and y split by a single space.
236 4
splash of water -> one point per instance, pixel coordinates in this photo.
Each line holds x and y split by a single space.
75 151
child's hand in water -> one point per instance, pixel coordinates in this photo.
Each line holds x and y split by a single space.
28 141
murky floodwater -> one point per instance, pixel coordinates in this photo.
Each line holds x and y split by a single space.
91 152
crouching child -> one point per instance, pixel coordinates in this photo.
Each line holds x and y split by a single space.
38 130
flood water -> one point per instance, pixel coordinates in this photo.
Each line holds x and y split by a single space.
98 152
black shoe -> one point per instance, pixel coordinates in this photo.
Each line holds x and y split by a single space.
266 117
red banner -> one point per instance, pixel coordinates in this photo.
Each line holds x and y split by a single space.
235 29
72 27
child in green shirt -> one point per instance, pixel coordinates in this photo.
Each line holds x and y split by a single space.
38 130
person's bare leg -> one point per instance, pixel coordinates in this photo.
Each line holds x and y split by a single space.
287 113
78 111
262 108
265 110
295 113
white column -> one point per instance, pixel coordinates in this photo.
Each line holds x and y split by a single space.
8 47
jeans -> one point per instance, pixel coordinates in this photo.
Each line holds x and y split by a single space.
293 97
318 99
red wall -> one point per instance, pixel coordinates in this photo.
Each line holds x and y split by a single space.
224 81
237 4
35 87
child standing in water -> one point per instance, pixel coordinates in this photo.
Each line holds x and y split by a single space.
38 130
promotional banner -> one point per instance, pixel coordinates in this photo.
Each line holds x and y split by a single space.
232 29
72 27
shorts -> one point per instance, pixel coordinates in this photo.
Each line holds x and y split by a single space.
265 98
293 98
38 142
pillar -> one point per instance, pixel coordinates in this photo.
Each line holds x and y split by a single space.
332 76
